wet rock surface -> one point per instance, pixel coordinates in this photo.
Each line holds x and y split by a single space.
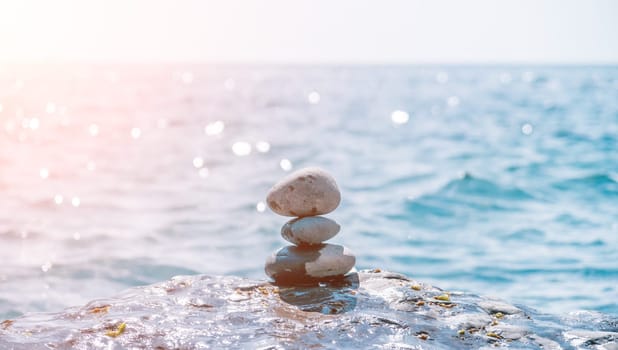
368 309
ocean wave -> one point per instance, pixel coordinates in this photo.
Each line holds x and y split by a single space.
466 196
138 271
469 185
575 221
603 184
592 243
526 235
591 272
378 184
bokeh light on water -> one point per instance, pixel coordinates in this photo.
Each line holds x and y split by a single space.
496 181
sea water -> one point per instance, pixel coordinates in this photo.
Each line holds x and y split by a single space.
500 181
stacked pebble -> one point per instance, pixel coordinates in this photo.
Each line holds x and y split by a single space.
305 194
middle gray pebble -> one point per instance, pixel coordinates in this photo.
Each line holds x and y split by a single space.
309 230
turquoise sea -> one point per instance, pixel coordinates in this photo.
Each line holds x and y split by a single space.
499 181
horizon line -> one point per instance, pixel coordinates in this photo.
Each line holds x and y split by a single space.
304 63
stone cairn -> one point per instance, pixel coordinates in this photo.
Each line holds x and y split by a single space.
306 194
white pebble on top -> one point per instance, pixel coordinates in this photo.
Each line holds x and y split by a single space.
306 192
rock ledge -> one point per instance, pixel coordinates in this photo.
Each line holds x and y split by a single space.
369 309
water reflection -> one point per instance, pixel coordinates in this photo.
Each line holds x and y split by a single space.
330 297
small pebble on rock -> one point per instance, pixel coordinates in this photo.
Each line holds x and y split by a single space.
309 230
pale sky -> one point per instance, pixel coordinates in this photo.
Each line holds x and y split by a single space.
310 31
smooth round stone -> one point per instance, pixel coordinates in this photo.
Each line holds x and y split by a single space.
309 230
300 265
306 192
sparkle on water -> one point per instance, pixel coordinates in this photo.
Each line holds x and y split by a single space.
34 123
526 129
262 146
510 194
186 77
93 129
400 117
505 78
285 164
229 84
203 172
50 108
313 97
453 101
44 173
162 123
214 128
241 148
527 77
136 133
45 267
198 162
442 77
